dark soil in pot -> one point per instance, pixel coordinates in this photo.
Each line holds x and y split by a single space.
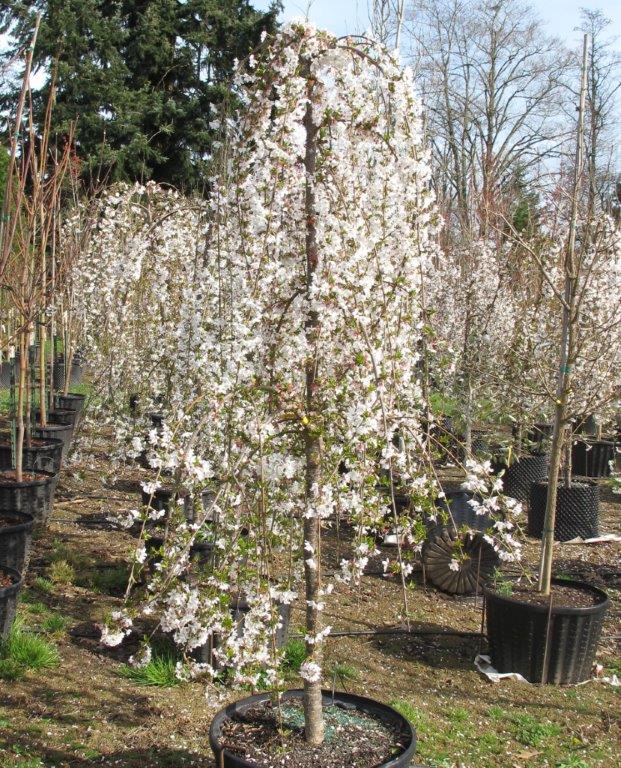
10 585
550 642
15 536
360 733
577 510
34 495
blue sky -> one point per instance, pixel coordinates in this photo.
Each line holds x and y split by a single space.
559 17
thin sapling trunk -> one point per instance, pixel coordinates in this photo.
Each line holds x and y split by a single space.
313 713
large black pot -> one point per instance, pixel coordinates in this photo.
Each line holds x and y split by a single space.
577 510
5 374
540 435
62 432
239 609
591 458
15 535
519 476
348 701
35 496
71 402
518 634
43 454
8 600
63 416
77 372
446 544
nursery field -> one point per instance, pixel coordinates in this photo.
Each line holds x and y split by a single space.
87 708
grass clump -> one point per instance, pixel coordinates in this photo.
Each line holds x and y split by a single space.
44 585
22 650
56 624
532 732
294 654
61 572
161 671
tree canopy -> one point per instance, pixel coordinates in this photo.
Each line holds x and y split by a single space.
140 77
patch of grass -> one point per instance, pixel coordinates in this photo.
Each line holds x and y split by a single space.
61 572
532 732
56 624
573 761
159 672
343 671
44 585
614 667
108 581
77 560
458 715
22 650
496 712
18 762
294 655
38 609
412 714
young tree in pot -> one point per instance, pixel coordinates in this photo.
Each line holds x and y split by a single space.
548 635
321 222
31 201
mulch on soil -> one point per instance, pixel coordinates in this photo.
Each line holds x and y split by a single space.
352 738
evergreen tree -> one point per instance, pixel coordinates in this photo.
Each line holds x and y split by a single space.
138 76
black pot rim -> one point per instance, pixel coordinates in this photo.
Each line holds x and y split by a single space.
17 581
578 482
72 395
368 705
27 522
49 476
604 600
54 427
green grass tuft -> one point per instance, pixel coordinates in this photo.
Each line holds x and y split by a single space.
294 655
532 732
23 650
160 671
44 585
61 572
55 624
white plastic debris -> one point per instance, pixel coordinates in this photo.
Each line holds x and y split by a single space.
484 665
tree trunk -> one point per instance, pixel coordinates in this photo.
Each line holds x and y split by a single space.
567 348
19 415
313 713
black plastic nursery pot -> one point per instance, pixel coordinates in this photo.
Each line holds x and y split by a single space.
77 372
63 416
34 495
239 608
15 537
62 432
539 434
591 458
456 562
519 633
577 510
8 598
519 476
72 401
346 701
42 454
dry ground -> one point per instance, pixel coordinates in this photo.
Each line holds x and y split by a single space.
83 713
